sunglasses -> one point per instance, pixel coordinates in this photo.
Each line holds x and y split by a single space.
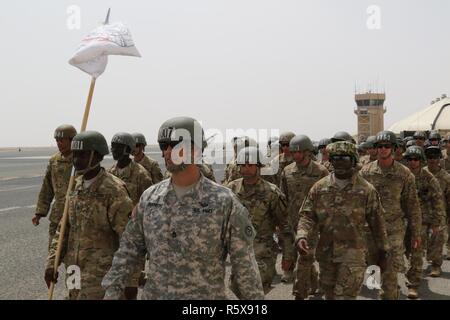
341 158
165 145
433 156
420 138
284 144
412 159
384 146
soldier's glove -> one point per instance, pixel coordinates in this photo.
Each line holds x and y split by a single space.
142 280
384 259
50 277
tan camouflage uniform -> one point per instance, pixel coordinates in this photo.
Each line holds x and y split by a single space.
398 193
266 205
152 168
341 215
97 217
432 207
295 184
187 241
54 186
231 172
283 162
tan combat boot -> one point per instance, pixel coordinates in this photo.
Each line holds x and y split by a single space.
413 293
435 272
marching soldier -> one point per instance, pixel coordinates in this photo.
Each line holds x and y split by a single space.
340 206
266 205
188 225
283 159
56 180
99 209
148 163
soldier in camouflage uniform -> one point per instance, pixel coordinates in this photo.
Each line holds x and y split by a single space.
371 150
99 208
419 138
433 155
396 186
341 205
283 158
432 207
148 163
56 180
296 180
266 205
398 155
231 172
205 168
445 162
435 138
325 157
137 180
188 225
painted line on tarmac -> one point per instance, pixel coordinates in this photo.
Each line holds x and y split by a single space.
15 208
20 188
23 177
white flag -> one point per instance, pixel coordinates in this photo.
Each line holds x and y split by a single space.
109 39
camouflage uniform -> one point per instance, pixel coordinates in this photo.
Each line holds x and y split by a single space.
432 207
205 168
152 168
136 178
341 215
295 184
438 240
365 160
445 162
398 193
283 162
231 172
54 186
327 164
97 217
187 241
266 205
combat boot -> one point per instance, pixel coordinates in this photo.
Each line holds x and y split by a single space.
435 272
288 277
413 293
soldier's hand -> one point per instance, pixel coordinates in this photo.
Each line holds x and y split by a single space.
302 245
50 277
36 219
286 265
415 243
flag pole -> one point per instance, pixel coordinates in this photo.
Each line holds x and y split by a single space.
69 190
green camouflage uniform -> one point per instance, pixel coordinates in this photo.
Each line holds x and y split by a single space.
398 193
187 242
231 172
295 184
283 162
266 205
152 168
54 186
97 217
342 217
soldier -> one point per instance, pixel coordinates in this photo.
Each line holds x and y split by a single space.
433 155
148 163
343 136
232 169
433 219
205 168
398 155
266 205
56 180
133 174
445 162
340 206
419 138
188 225
371 150
362 149
296 180
396 186
137 180
325 158
435 138
283 159
99 208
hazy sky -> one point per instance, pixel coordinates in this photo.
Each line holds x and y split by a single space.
263 64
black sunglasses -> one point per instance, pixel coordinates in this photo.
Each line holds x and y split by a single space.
284 144
385 146
165 145
433 156
341 158
412 159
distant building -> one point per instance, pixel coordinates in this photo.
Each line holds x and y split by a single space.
370 112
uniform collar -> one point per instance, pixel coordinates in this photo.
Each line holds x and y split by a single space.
352 184
124 172
241 188
95 185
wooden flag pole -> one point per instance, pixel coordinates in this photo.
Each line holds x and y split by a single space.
65 216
